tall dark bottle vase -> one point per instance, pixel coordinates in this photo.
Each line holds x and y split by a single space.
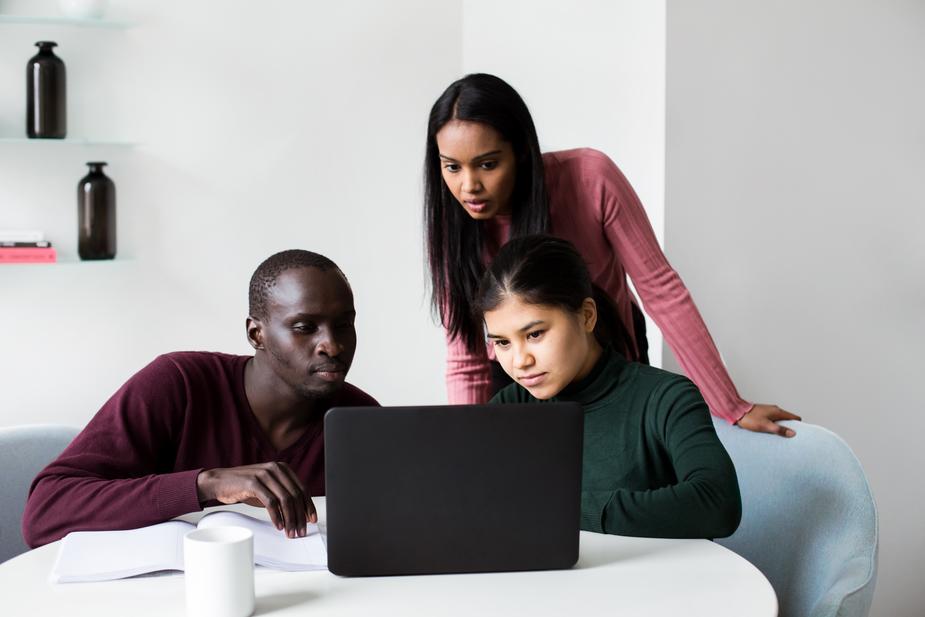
96 214
46 94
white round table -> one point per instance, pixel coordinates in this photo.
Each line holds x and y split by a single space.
615 575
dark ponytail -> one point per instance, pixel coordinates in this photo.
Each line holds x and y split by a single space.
548 271
609 329
454 242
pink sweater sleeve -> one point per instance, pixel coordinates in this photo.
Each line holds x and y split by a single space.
663 294
468 377
108 477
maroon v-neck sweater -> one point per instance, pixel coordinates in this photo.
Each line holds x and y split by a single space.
136 462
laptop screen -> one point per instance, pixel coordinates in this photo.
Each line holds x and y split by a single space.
476 488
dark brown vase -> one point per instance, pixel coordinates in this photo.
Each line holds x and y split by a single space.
96 215
46 94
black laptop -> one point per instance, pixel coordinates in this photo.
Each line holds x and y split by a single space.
429 490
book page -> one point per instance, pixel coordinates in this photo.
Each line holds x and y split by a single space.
271 547
107 555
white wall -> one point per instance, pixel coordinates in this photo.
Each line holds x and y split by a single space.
795 193
261 127
295 125
592 74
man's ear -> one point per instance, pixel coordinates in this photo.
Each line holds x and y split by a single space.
254 333
588 314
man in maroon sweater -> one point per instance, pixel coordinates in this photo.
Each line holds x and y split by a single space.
194 429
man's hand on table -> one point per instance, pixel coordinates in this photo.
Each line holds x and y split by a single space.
271 485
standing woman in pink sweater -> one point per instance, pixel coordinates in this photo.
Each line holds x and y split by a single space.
486 181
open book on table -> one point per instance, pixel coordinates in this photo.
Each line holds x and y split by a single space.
106 555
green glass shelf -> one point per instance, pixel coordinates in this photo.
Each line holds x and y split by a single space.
65 21
74 260
68 261
70 141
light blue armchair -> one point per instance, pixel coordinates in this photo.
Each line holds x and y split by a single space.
24 452
809 521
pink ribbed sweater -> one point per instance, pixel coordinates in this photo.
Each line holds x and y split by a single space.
592 205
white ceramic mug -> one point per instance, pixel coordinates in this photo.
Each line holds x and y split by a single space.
219 572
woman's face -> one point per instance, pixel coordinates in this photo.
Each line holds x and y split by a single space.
543 348
478 167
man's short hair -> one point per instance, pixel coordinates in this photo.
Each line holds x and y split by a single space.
266 274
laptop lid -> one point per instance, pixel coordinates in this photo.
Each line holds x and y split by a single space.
476 488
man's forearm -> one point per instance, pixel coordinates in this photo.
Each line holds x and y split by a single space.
59 504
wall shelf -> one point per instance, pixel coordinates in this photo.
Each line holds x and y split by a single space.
69 261
65 21
70 141
15 141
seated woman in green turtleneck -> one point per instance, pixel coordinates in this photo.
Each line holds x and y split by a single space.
653 465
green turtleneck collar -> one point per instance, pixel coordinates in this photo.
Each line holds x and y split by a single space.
597 384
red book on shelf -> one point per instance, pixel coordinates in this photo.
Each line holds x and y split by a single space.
28 255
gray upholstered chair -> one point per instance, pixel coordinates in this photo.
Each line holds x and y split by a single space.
24 452
809 521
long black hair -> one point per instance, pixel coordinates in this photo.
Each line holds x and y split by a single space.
454 242
548 271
